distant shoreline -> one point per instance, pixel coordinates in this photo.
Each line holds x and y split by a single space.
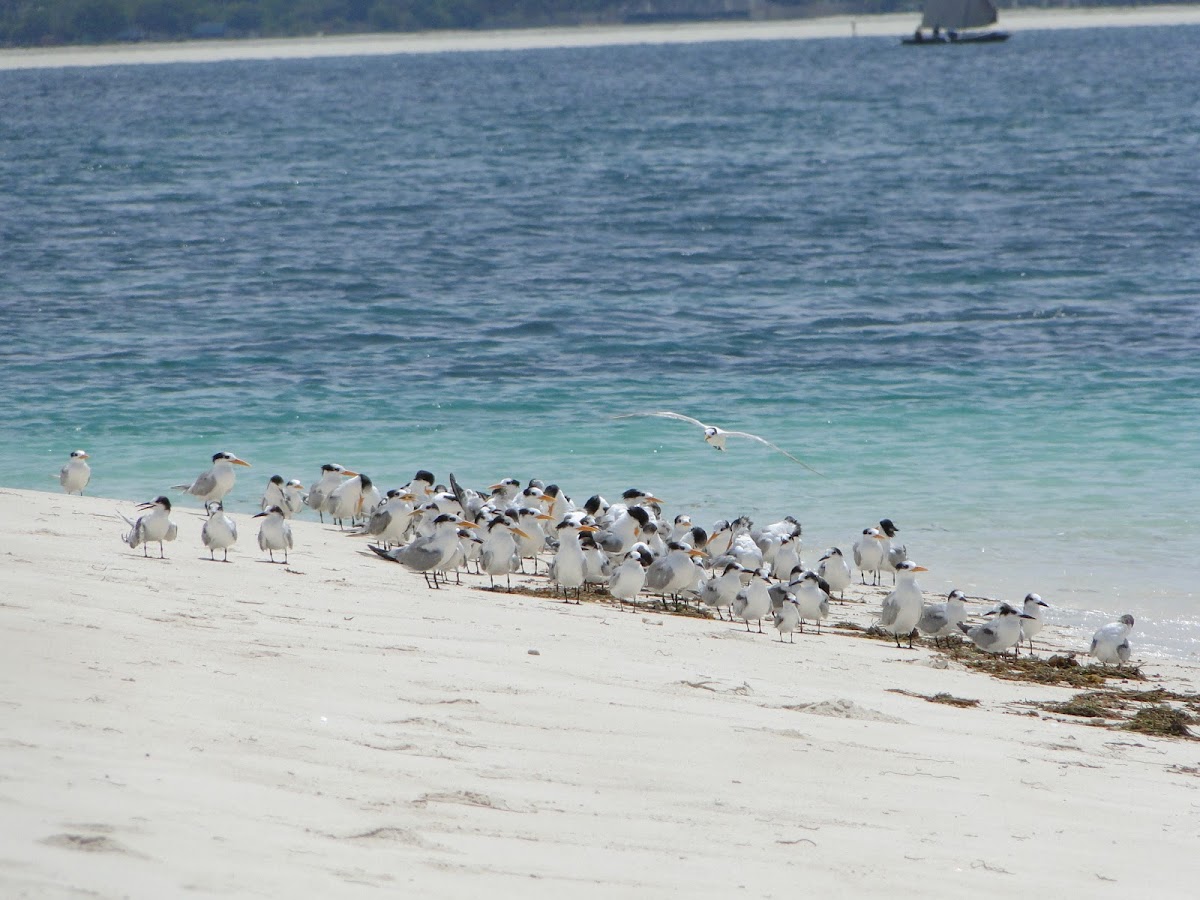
890 25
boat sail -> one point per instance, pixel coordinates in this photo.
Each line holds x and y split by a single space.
947 18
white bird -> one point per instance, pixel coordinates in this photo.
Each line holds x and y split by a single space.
597 567
75 475
272 494
567 567
331 476
293 498
901 609
155 525
670 575
275 533
390 522
720 590
1110 644
217 481
939 620
430 553
498 555
836 571
893 553
787 618
628 579
1031 626
346 500
753 601
219 532
998 635
787 557
869 553
812 598
715 437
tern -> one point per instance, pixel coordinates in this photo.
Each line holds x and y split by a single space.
275 533
155 525
272 494
753 601
869 552
219 532
498 555
836 571
331 476
432 552
720 590
293 498
217 481
997 636
629 577
812 598
1030 627
1110 644
715 437
672 574
940 620
787 619
567 568
901 609
75 475
348 499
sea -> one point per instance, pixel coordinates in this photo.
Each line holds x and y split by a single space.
962 283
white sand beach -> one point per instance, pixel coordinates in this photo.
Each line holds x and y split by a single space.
334 728
890 25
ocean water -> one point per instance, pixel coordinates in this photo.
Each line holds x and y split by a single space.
962 283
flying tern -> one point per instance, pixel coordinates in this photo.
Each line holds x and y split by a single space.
715 437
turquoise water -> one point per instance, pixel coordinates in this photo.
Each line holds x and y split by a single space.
962 285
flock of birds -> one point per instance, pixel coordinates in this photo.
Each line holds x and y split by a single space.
736 569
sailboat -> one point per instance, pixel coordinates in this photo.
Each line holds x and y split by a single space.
946 20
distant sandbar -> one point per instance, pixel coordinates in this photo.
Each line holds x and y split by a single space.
591 36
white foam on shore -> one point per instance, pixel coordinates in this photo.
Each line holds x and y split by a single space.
891 25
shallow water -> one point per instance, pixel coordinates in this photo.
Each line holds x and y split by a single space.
960 284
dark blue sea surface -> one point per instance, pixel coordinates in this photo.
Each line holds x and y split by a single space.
963 284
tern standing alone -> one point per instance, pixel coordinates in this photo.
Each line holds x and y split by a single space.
75 475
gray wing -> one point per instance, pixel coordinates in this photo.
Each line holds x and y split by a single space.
934 618
419 556
777 449
204 538
379 522
857 557
663 415
287 535
203 485
889 610
657 576
172 532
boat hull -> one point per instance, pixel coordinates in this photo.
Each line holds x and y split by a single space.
984 37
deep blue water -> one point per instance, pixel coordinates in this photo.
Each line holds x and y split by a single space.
963 284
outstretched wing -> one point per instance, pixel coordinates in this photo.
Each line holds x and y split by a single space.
755 437
664 415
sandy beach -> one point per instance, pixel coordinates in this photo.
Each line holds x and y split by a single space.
891 25
333 728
